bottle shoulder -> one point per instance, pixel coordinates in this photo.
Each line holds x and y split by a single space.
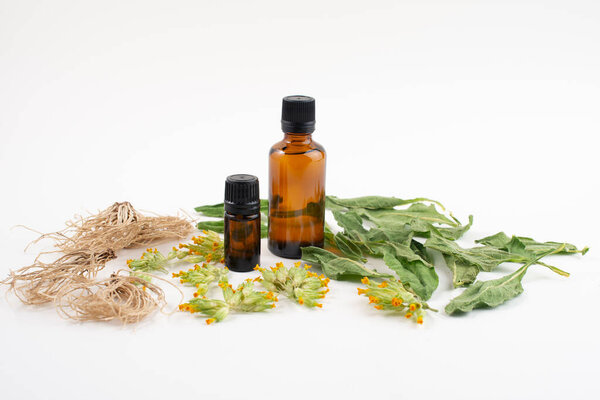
311 148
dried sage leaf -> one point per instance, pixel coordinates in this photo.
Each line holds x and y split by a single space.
489 293
462 274
485 258
392 218
492 293
336 267
421 278
376 202
217 226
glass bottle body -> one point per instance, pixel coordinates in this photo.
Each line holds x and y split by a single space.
242 241
296 195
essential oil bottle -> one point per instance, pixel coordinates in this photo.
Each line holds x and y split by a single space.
296 182
242 222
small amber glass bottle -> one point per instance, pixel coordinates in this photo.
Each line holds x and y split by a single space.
242 222
296 182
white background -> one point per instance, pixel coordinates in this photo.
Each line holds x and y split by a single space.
491 107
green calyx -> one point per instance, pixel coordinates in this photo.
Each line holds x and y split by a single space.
298 283
245 298
392 295
201 277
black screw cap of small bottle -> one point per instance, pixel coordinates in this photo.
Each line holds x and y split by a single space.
298 114
242 195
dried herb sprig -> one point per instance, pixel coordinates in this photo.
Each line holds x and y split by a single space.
245 298
207 248
201 277
151 260
391 295
297 283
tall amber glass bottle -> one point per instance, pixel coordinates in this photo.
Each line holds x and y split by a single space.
296 182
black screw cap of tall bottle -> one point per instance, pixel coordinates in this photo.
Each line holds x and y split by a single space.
241 194
298 114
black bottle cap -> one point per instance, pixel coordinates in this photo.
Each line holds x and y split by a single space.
241 194
298 114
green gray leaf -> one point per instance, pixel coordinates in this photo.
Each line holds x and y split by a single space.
217 226
532 247
375 202
336 267
495 292
393 219
462 274
352 224
422 279
489 293
215 210
455 233
348 247
484 257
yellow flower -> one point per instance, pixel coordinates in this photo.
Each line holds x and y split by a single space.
396 302
365 281
210 321
300 301
412 307
362 291
419 320
383 284
408 315
297 263
379 307
373 299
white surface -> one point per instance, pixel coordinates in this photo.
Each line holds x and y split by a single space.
490 107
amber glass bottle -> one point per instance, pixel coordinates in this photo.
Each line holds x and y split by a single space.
296 182
242 223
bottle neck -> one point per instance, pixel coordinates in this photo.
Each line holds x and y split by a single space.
295 137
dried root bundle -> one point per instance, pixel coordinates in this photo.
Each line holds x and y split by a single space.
118 227
40 282
127 298
88 243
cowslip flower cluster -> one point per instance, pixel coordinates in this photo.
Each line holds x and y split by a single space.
150 261
245 298
201 277
207 247
297 283
393 296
